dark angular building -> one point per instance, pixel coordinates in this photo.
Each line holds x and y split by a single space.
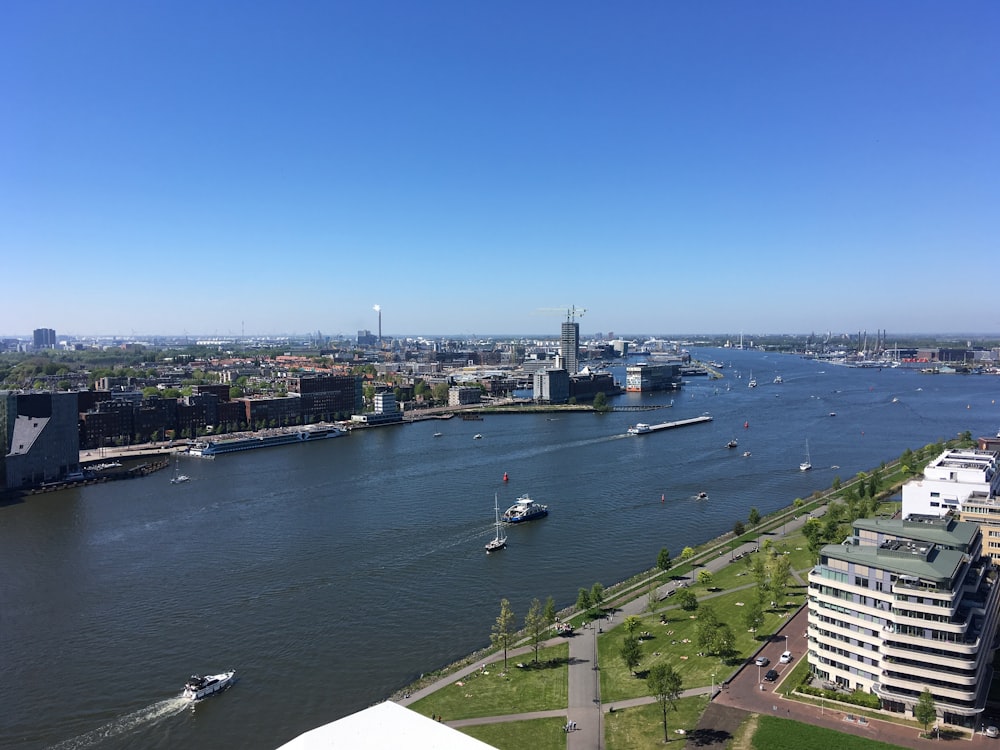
39 438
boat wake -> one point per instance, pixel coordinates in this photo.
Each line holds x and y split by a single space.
128 723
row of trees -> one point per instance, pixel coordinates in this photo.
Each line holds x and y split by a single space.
537 622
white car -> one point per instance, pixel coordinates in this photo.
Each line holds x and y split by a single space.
992 731
762 661
786 657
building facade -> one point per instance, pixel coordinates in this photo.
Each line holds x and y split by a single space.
551 386
644 377
903 606
569 347
44 338
39 438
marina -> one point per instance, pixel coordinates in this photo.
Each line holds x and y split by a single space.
297 551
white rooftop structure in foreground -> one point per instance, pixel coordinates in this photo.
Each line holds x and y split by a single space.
386 726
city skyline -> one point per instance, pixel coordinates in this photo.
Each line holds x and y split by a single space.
215 169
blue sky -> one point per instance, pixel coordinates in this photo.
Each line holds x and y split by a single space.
277 167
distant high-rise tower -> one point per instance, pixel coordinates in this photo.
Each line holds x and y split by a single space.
569 347
45 338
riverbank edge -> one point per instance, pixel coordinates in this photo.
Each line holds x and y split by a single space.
636 586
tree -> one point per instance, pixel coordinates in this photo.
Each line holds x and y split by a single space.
724 642
550 612
738 529
631 652
503 630
535 625
440 392
632 623
753 615
687 600
924 709
687 553
601 403
705 577
754 518
583 600
597 595
781 571
663 561
665 684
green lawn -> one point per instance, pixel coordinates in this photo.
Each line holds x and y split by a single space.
782 734
667 642
538 734
642 726
495 693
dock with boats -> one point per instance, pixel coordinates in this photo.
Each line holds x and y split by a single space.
644 429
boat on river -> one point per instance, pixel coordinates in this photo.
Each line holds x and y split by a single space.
525 509
216 446
198 687
500 540
807 464
178 478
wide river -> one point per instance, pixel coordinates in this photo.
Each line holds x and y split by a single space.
332 574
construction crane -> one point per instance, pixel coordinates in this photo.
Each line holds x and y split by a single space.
572 312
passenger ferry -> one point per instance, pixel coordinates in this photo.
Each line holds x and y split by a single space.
525 509
215 447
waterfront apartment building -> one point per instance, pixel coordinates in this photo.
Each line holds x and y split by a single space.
903 606
551 386
39 438
569 347
326 397
460 395
644 377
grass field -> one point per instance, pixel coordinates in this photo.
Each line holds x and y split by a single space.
782 734
538 734
642 727
493 692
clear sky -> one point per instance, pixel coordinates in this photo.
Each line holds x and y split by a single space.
672 167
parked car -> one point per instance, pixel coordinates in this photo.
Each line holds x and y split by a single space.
992 731
762 661
772 675
786 657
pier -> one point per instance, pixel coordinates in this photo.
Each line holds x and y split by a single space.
645 429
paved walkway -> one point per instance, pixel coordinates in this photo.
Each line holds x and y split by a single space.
584 702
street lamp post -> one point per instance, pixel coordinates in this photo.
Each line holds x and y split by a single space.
713 687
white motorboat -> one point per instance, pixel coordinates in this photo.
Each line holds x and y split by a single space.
500 540
198 687
640 428
525 509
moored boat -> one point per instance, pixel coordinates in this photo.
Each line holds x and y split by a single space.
198 687
525 509
215 446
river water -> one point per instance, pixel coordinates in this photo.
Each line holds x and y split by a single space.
331 574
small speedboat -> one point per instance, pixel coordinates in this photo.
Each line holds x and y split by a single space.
198 687
477 436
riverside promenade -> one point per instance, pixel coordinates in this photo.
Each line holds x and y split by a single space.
731 701
584 705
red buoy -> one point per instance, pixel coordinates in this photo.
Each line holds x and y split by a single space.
505 476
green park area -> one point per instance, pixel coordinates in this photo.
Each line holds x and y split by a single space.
697 624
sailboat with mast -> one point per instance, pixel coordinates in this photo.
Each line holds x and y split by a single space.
178 478
500 540
807 464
